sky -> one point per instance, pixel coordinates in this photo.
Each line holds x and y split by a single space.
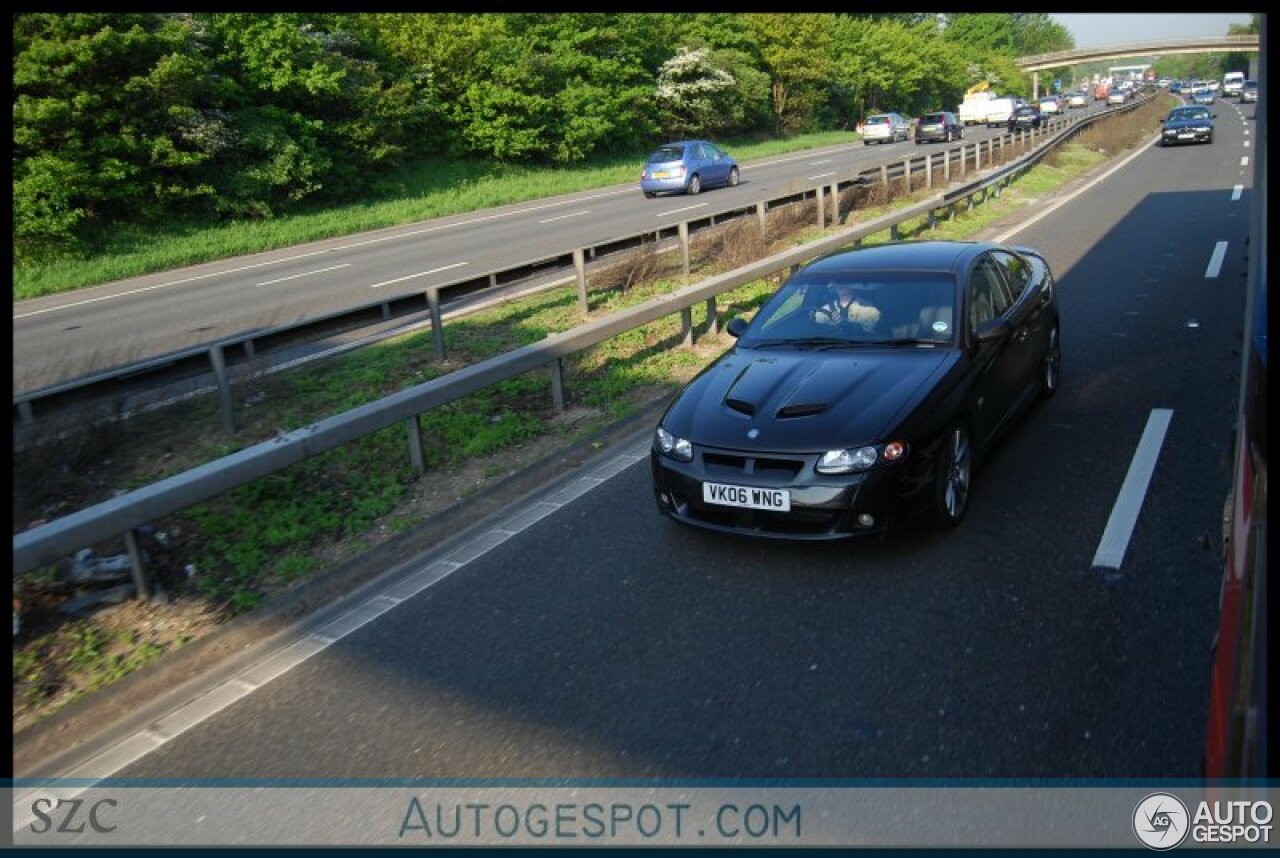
1095 29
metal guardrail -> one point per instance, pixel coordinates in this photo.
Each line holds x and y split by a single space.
221 354
62 537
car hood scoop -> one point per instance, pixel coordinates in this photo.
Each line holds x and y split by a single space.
803 401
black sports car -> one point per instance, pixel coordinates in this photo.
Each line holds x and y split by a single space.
868 385
1188 124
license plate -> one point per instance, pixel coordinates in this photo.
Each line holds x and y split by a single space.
1186 134
747 497
661 174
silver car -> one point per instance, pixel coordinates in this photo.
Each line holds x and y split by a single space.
885 128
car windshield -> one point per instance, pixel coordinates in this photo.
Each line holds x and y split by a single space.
666 153
855 309
1188 113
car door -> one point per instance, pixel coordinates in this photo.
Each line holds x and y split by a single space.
1029 320
719 163
996 362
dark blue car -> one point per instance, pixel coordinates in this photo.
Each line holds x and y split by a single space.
1190 124
687 166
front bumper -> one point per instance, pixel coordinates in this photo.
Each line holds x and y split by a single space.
1172 138
823 507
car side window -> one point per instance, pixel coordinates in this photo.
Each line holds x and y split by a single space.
699 153
1017 273
987 296
712 151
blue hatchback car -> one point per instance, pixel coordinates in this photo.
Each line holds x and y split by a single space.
687 166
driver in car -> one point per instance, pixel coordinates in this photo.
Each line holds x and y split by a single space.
846 307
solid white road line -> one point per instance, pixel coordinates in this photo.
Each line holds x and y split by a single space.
1045 212
419 274
1215 261
281 661
1236 192
305 274
819 176
823 161
1124 515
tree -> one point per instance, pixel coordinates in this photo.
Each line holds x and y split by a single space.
795 51
112 116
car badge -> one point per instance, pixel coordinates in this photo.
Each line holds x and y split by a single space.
753 433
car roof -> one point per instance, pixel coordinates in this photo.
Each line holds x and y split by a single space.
901 256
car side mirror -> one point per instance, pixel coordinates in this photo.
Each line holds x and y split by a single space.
736 327
993 330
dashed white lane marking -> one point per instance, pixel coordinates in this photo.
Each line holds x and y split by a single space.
565 216
1236 192
819 176
677 211
305 274
1124 515
1215 261
419 274
1244 162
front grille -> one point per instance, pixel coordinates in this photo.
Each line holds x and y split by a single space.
730 465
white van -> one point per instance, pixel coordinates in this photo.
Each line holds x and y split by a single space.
1232 83
1000 109
973 110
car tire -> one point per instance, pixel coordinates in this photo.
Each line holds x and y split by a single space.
734 178
866 142
954 476
650 194
1051 366
1210 140
694 187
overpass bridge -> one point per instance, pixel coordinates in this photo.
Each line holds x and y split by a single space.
1037 63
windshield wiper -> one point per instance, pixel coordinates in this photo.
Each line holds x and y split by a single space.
901 341
804 343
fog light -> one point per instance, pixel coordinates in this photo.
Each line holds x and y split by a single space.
666 501
866 519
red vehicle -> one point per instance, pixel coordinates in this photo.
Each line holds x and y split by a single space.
1101 91
1236 732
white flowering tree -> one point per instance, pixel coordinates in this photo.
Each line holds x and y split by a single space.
695 96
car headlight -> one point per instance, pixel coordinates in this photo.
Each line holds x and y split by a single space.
677 448
860 458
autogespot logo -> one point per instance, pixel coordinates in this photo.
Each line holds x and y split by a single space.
1160 820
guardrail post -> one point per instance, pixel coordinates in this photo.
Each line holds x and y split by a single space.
686 327
906 174
761 217
894 235
684 248
414 430
713 318
225 403
822 213
437 322
884 176
933 219
137 563
556 369
977 156
968 203
580 267
928 171
835 203
386 311
946 166
493 280
249 350
25 415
